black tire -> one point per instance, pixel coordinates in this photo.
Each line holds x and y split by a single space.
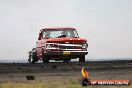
29 58
45 59
34 60
82 58
33 57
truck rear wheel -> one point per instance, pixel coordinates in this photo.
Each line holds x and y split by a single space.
33 61
82 58
32 58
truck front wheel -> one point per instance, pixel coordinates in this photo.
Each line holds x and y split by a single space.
82 58
45 59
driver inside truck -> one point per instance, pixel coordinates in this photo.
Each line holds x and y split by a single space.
64 34
68 33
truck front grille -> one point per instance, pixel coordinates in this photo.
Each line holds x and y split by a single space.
65 47
70 47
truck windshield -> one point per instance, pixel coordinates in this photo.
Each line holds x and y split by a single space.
60 33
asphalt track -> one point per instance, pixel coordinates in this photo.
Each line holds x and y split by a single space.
42 71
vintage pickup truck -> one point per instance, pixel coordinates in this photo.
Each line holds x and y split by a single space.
59 44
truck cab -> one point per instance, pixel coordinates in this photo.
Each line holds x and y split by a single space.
60 44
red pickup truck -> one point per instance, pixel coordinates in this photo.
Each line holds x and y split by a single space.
59 44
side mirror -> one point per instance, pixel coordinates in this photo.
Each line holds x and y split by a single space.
39 38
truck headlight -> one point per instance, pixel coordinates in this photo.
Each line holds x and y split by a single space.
48 46
51 47
85 46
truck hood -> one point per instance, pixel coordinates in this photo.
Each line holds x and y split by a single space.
51 40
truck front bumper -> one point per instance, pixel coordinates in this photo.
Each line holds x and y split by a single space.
66 53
